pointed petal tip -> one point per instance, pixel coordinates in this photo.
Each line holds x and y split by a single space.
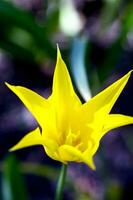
11 150
31 139
8 85
11 87
130 72
14 148
58 52
90 163
93 167
57 45
127 75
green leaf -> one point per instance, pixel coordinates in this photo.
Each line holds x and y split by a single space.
13 186
16 50
46 171
127 21
109 13
12 17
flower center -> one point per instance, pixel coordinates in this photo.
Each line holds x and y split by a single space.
72 139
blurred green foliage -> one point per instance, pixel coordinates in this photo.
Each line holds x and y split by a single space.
114 191
13 185
22 36
112 12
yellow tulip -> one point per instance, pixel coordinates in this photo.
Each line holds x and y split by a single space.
70 130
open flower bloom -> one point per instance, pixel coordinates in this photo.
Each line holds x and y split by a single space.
70 130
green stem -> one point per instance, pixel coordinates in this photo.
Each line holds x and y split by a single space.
60 184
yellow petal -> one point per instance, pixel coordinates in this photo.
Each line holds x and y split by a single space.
36 104
64 97
111 121
31 139
116 120
52 154
62 84
70 153
103 102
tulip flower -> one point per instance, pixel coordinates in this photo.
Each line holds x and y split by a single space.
70 130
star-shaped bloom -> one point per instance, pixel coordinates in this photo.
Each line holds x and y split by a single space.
70 130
